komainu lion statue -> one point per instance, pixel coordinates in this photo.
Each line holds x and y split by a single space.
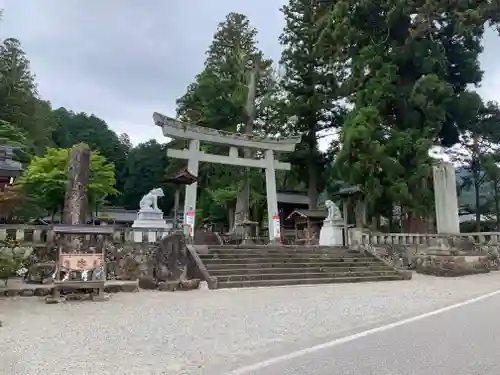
150 200
333 211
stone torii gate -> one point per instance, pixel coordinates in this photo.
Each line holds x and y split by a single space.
196 134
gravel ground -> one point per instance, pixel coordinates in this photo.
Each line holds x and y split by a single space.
207 332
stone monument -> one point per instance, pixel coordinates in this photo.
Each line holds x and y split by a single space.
445 193
150 217
331 233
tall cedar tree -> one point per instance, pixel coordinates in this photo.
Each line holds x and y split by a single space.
19 102
311 90
217 98
405 66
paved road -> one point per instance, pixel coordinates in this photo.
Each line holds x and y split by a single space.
213 332
460 341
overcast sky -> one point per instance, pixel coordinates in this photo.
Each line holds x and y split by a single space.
124 59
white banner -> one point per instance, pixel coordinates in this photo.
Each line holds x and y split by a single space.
190 223
276 227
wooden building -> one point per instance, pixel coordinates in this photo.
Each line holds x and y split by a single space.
307 225
9 168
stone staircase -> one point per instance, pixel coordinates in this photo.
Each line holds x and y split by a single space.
252 266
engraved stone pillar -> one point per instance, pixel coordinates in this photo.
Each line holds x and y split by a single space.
445 196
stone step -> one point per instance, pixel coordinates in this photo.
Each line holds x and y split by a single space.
260 246
303 275
326 280
294 270
265 265
313 249
303 259
283 256
261 254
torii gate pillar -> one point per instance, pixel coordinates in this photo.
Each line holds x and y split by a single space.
192 190
274 224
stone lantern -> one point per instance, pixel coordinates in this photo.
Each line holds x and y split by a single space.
180 179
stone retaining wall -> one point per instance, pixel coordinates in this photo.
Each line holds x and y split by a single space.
454 265
433 254
359 236
438 262
165 260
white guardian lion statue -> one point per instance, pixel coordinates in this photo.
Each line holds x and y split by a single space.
150 200
333 211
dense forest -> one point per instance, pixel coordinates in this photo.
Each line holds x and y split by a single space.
389 78
43 134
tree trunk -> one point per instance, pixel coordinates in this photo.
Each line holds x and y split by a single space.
390 217
243 199
360 213
413 223
75 201
497 203
476 175
477 196
231 217
312 188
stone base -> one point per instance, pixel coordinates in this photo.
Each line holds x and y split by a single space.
150 219
155 215
153 221
331 234
27 290
151 224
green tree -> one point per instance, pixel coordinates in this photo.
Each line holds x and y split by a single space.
492 172
73 128
46 178
13 136
479 143
218 96
125 142
19 102
145 170
310 90
404 67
